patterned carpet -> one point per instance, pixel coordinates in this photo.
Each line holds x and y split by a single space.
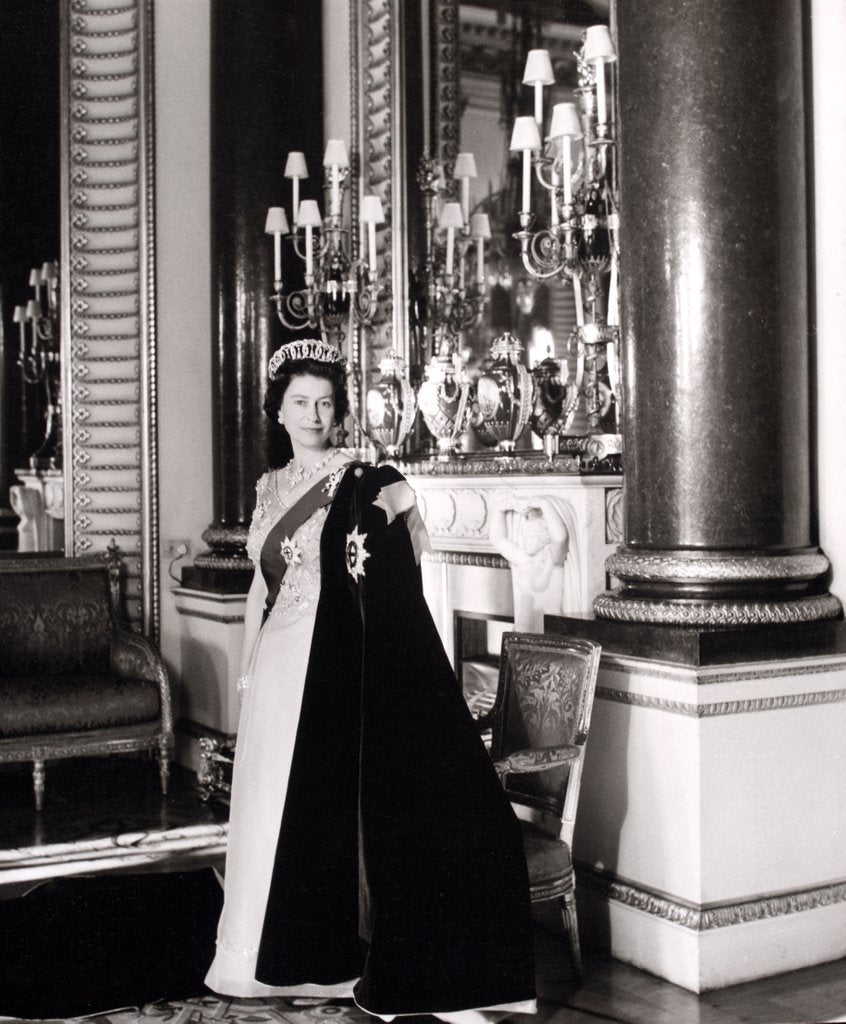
213 1010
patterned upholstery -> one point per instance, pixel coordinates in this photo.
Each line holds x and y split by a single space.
540 723
72 681
70 703
54 621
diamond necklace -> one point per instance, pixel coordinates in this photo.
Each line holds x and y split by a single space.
297 474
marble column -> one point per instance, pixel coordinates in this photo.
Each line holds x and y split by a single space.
266 99
718 507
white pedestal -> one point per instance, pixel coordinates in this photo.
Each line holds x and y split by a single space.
211 629
711 832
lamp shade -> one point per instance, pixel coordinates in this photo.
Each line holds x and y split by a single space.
35 277
538 68
336 154
451 216
309 215
598 45
33 309
565 121
19 315
277 221
371 210
525 134
465 166
48 271
480 226
295 166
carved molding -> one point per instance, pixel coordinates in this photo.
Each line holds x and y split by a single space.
716 613
703 918
504 465
614 515
725 707
482 560
704 677
446 127
627 564
108 312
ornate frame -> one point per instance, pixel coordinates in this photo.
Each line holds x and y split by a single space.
108 291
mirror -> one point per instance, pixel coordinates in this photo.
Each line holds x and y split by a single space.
102 63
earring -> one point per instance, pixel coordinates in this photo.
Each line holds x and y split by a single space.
279 418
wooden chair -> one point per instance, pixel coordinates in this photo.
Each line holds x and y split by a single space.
540 724
73 682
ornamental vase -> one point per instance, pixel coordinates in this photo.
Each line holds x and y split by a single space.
391 406
443 400
503 396
555 403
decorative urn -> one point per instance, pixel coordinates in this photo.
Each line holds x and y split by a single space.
555 404
443 400
503 396
391 406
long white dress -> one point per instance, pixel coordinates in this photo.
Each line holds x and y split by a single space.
266 735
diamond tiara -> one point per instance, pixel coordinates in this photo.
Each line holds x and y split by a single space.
305 348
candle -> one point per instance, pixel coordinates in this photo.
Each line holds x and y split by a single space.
613 302
539 104
577 292
538 72
371 215
335 205
276 225
553 195
295 168
599 50
20 319
277 258
527 181
295 184
465 169
480 261
600 92
480 229
566 168
371 246
450 249
309 250
465 198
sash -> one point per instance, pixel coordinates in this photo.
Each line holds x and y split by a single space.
274 563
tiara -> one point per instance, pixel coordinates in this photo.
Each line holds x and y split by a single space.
306 348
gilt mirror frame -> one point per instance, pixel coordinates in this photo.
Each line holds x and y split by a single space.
108 291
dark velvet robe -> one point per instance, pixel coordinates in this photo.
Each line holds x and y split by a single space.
399 859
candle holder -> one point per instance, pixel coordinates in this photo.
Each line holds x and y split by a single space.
341 277
576 169
452 283
444 399
391 407
39 359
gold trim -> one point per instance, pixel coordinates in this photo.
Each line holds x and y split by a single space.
707 917
706 568
723 707
716 613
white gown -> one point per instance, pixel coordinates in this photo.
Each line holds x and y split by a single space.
267 731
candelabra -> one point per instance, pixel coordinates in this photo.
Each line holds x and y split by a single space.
581 242
39 358
339 284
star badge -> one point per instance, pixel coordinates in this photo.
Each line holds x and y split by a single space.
290 551
356 554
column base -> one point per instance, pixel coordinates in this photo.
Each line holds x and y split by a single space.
622 608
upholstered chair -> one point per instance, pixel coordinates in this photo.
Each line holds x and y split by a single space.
540 725
73 681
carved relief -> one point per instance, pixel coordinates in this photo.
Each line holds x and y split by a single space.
717 613
614 515
108 297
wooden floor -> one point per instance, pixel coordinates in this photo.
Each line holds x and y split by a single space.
91 801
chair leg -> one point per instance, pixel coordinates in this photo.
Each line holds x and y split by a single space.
38 776
164 765
571 926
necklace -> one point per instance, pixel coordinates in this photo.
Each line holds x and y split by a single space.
296 474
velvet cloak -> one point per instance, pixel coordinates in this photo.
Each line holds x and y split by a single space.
399 859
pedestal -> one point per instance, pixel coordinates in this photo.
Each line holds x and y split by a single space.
710 835
211 629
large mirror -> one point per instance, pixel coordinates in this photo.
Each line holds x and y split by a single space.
99 350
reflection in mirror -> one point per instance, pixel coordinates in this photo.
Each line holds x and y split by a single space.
31 513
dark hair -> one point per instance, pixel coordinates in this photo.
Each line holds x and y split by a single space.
279 449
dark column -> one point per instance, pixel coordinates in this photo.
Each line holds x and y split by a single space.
266 99
715 318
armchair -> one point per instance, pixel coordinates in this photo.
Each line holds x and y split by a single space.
540 724
73 682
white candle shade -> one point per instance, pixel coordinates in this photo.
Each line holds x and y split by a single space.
480 226
538 68
277 221
48 272
565 121
598 45
526 135
465 166
33 309
19 315
371 210
35 278
309 215
295 166
451 216
336 154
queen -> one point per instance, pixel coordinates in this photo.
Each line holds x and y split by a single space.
372 851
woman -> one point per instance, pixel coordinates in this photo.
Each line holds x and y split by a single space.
372 852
